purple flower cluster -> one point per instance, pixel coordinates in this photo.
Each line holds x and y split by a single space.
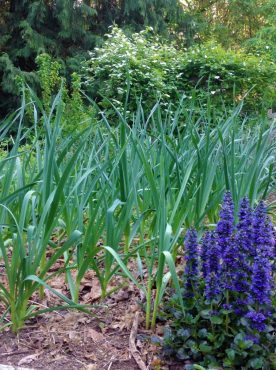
244 247
263 232
257 320
192 261
261 281
225 226
244 229
212 267
235 261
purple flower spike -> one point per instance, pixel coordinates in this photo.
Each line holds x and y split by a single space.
245 248
263 232
245 233
231 265
261 286
225 226
213 269
192 261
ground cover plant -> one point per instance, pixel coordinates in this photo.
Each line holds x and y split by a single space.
228 293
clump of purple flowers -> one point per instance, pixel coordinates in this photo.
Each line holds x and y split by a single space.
236 262
225 226
257 320
192 260
226 314
211 266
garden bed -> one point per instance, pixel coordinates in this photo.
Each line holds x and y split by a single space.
74 340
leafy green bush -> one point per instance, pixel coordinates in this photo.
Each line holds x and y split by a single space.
77 115
140 61
230 74
152 69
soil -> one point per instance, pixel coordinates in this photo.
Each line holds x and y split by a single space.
70 340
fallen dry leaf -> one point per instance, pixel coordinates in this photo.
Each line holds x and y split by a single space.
94 335
91 367
91 356
28 359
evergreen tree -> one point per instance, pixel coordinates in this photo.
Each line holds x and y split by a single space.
67 29
28 28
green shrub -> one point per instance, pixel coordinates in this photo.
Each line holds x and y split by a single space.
140 61
230 74
152 69
77 115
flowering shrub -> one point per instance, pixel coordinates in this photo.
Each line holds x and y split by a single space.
140 61
227 293
154 70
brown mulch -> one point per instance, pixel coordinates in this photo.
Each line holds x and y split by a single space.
70 340
74 340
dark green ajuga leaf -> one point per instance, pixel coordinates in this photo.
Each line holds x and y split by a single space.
196 319
273 361
244 354
231 354
246 344
216 320
271 329
184 333
241 342
227 363
212 362
238 338
203 333
189 319
190 304
226 312
206 314
191 343
177 314
219 341
256 363
243 321
211 337
205 348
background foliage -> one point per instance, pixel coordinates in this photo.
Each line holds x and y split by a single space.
68 29
153 69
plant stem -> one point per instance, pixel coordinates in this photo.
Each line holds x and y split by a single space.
155 308
148 306
227 316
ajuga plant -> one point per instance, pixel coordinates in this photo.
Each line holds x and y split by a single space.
227 294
